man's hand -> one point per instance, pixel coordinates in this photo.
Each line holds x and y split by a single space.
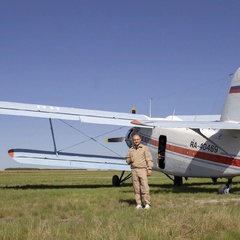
149 172
129 160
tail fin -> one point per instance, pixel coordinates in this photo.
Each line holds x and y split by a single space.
231 109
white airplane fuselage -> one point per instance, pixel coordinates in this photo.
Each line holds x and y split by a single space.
185 153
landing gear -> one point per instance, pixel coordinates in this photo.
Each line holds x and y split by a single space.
116 181
225 188
178 181
214 180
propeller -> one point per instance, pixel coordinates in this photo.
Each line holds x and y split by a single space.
116 139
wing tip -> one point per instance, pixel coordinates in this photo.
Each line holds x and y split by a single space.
11 153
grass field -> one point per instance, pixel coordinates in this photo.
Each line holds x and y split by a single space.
73 204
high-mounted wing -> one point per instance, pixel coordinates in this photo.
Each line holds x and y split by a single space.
83 115
108 117
230 117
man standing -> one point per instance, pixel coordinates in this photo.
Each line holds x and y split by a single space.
140 159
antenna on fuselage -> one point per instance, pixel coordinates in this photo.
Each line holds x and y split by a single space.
195 117
150 107
173 114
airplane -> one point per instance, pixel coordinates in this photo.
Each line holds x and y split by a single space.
198 146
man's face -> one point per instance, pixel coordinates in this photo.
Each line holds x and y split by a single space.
136 140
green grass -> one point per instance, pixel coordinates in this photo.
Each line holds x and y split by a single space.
72 204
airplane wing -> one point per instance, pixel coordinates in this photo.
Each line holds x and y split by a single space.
69 160
83 115
187 124
115 118
208 118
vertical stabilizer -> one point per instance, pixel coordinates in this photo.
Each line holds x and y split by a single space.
231 109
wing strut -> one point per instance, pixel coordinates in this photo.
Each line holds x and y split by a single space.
53 137
125 178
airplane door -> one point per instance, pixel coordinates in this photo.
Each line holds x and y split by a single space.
161 151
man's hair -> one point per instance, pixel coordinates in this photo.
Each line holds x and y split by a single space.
136 135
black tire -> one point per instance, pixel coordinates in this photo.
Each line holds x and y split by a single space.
178 181
115 181
222 189
214 180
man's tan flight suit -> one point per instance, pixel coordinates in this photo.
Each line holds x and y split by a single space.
140 159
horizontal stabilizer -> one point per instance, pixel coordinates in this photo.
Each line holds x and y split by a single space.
71 160
188 124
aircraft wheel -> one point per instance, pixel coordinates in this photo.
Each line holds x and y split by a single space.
223 189
115 181
214 180
178 181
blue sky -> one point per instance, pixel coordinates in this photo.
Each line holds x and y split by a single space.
112 55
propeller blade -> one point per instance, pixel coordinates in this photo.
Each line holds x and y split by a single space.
117 139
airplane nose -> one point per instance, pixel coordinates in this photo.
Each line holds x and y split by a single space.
128 138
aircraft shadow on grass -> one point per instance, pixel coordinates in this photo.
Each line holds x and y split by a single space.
207 187
47 186
128 201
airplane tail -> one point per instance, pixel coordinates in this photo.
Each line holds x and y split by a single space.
231 109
